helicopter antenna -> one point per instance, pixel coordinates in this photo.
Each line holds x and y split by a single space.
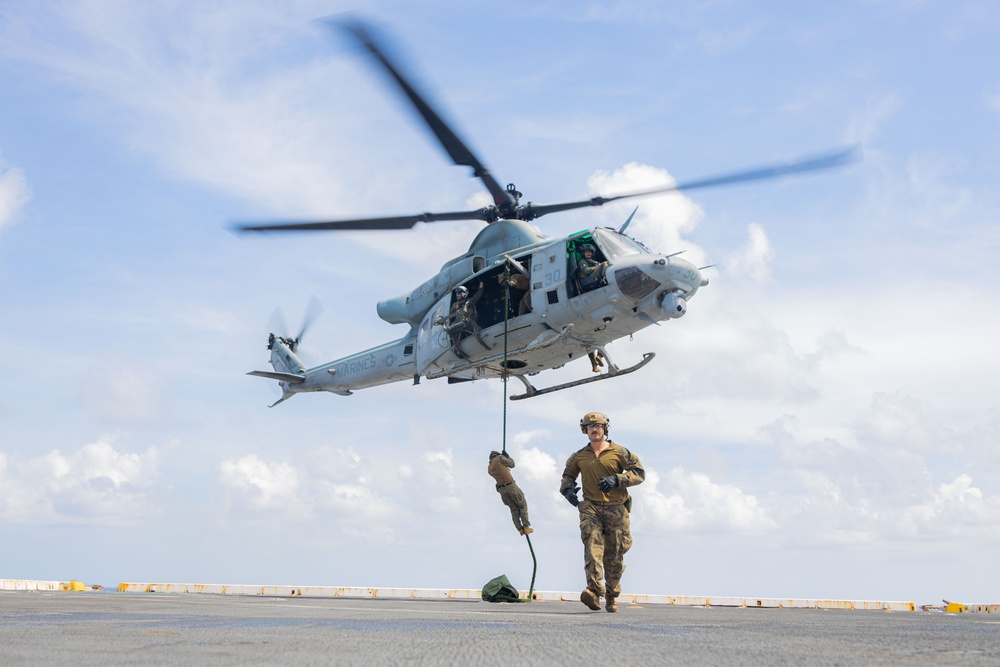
621 230
514 194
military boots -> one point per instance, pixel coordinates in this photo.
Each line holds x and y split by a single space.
612 605
590 598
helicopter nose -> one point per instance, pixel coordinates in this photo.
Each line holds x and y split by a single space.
641 275
680 280
676 274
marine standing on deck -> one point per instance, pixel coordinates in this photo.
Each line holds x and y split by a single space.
510 493
606 470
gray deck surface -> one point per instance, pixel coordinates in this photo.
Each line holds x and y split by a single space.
106 628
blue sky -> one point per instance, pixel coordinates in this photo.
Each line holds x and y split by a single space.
822 423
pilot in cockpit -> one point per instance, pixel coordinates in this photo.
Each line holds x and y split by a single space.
592 273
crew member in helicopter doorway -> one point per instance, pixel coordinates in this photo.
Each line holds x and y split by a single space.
510 493
461 321
605 469
518 281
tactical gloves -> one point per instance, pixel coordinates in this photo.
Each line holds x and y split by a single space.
571 495
605 484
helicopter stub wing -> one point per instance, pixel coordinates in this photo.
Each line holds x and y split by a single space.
543 340
291 378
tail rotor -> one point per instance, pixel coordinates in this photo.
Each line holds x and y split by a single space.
277 324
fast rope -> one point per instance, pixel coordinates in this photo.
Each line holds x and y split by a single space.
506 318
506 372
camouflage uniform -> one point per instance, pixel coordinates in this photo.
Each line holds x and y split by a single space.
518 281
592 273
509 491
604 517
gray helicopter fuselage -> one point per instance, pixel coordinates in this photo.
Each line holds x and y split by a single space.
563 322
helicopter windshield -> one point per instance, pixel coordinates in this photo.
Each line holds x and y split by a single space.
616 245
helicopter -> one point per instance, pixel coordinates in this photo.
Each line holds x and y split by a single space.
536 304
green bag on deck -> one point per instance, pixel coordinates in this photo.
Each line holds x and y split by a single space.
499 589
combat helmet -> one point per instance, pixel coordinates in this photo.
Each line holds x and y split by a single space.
595 418
587 246
461 292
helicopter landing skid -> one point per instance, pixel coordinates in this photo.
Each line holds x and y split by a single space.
532 391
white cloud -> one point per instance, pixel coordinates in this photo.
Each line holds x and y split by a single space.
692 502
14 193
539 466
897 420
260 485
329 484
954 506
96 484
179 84
878 482
839 508
754 259
440 461
532 463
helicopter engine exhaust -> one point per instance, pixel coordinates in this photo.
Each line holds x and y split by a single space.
674 305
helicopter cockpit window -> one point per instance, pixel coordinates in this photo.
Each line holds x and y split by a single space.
616 245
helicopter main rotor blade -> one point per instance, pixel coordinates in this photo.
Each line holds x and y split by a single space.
455 147
369 224
760 173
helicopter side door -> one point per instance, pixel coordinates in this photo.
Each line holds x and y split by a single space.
548 275
432 339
